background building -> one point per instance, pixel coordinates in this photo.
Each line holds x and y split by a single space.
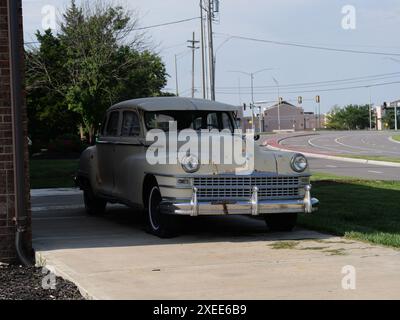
290 117
382 111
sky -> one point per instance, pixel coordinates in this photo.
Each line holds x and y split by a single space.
310 22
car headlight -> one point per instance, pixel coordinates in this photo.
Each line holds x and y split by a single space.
190 164
299 163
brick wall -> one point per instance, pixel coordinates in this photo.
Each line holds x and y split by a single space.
7 214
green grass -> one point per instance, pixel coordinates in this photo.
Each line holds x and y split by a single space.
356 209
336 252
319 176
52 173
375 158
284 245
396 137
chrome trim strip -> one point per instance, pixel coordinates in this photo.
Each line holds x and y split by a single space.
254 175
262 187
176 187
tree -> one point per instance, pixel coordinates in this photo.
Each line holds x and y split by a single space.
48 112
104 61
351 117
388 119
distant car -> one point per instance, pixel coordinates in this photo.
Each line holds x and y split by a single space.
116 170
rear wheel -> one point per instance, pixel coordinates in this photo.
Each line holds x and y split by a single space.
161 225
283 222
94 206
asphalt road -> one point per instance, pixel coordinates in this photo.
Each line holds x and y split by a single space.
354 143
350 143
112 257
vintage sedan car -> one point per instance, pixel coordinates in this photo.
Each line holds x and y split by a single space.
116 170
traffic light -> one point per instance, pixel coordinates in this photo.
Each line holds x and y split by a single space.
300 100
318 99
385 106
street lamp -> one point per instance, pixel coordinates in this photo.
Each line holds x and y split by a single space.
177 57
251 75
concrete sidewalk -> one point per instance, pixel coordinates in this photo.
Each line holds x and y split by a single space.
216 258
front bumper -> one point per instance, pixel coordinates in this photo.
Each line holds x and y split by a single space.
253 207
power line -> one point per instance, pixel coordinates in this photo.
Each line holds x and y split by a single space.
166 24
324 90
144 28
301 45
325 83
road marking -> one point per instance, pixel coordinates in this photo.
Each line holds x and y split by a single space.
378 172
336 150
360 148
330 166
295 145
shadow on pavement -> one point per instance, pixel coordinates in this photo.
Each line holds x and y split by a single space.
122 227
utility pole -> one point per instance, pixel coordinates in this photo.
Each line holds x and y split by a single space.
203 51
370 109
318 101
193 43
176 76
279 104
211 48
260 118
397 105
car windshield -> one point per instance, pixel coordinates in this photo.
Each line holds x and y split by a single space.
195 120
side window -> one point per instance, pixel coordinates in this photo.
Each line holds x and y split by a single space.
197 123
103 126
212 121
226 122
130 124
112 124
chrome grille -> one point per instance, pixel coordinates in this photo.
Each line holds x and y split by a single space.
221 188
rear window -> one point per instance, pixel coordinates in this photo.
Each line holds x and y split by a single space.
195 120
130 124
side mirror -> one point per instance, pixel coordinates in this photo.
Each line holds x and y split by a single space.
257 137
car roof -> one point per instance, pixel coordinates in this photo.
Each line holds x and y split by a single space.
174 103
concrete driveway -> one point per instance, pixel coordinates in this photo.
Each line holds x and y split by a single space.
112 257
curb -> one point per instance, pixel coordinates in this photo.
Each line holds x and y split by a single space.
55 192
392 140
335 158
42 261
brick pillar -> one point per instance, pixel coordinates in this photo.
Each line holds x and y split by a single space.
7 186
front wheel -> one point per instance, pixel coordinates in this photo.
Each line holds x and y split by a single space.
160 225
94 206
282 222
